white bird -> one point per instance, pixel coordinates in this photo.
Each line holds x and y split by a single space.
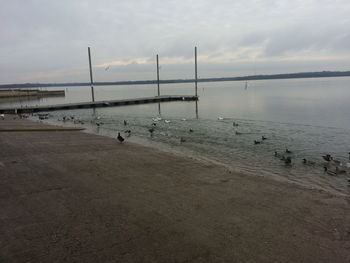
2 116
220 118
166 121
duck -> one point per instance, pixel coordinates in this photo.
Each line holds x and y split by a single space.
307 162
263 138
329 172
339 171
327 157
288 160
288 151
120 138
234 124
256 142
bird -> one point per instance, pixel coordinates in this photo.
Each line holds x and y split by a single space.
98 124
166 121
263 138
128 133
125 123
329 172
288 160
2 116
190 130
220 118
120 138
288 151
238 133
307 162
154 124
234 124
151 130
256 142
339 171
182 139
327 157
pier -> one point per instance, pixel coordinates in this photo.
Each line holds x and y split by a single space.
98 104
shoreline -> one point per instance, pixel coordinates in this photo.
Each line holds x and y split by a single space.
73 196
186 153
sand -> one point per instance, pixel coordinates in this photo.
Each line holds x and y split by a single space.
69 196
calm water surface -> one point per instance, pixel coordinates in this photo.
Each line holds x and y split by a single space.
311 117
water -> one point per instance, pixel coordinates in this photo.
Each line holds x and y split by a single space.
308 116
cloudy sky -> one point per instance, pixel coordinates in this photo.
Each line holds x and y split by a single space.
47 40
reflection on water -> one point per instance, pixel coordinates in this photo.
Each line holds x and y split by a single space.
308 116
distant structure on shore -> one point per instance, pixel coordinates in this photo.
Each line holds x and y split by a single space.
321 74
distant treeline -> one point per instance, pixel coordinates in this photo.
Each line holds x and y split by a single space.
320 74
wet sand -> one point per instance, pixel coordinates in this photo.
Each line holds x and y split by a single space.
68 196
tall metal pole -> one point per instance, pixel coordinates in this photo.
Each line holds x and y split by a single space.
91 80
158 75
195 69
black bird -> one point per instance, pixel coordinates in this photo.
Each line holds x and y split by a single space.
120 138
256 142
288 151
125 123
191 130
151 130
263 138
288 160
327 157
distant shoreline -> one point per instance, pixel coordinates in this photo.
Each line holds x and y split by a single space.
320 74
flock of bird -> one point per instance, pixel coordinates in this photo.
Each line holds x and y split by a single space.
286 156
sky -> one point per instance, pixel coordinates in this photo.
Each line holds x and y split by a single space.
46 41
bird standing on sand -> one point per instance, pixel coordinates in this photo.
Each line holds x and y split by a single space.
120 138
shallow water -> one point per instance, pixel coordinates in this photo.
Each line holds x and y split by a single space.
308 116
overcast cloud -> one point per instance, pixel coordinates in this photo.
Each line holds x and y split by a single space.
46 41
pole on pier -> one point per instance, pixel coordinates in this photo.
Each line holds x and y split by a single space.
158 75
91 80
195 69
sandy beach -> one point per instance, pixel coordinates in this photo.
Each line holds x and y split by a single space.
69 196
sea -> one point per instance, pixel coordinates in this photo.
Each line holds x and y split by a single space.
309 117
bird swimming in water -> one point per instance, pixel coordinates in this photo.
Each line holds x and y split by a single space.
288 160
263 138
151 130
120 138
327 157
288 151
220 118
307 162
234 124
190 130
329 172
256 142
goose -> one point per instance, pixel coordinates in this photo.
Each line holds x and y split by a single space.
120 138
